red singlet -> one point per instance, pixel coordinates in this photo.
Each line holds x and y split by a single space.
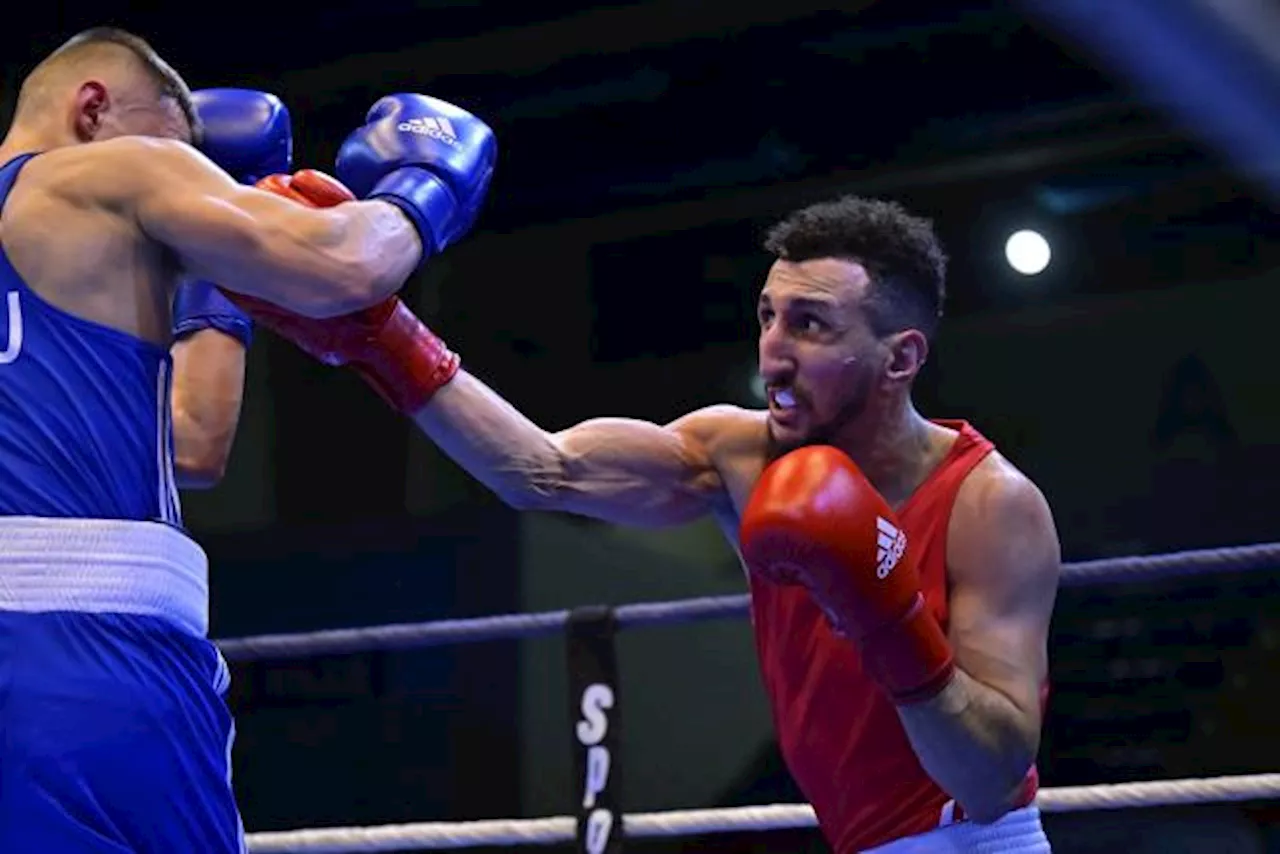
839 732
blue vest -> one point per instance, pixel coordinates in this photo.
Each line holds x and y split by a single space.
86 429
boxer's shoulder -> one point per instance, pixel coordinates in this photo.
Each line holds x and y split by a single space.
724 429
997 484
100 173
735 440
999 508
71 230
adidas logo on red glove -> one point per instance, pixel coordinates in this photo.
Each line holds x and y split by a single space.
890 544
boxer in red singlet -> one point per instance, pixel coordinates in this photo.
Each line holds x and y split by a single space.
902 572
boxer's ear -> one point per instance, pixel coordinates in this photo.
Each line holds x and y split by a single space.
907 352
92 102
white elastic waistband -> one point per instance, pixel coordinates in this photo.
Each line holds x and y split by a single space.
103 566
1017 832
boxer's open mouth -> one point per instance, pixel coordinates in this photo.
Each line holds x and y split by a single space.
783 407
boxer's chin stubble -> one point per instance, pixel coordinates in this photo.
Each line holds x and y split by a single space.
777 447
826 431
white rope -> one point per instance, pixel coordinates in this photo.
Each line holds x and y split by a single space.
1160 793
727 820
550 831
413 837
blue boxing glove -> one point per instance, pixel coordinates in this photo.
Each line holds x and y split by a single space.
200 305
429 158
247 133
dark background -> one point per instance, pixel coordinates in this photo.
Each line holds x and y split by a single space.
644 149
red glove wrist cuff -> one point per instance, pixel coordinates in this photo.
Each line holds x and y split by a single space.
410 363
911 658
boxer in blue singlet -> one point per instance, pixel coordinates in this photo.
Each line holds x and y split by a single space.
121 196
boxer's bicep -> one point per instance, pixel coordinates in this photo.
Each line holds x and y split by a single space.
613 469
208 389
314 262
1003 559
636 472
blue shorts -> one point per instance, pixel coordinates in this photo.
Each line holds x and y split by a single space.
114 737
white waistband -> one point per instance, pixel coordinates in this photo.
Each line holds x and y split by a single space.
1017 832
103 566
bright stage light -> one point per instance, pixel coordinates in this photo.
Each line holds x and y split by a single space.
1027 252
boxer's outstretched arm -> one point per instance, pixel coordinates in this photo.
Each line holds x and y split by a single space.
314 262
613 469
978 738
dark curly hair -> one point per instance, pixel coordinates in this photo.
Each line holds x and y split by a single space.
900 252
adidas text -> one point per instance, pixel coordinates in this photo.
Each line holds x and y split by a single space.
890 544
437 128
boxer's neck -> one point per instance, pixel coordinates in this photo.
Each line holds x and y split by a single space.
24 138
896 448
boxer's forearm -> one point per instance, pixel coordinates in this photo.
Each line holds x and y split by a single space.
208 390
492 441
975 743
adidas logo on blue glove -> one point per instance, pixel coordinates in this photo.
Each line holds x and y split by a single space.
431 159
435 127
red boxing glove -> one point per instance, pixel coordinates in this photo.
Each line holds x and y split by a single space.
309 186
386 344
814 519
394 351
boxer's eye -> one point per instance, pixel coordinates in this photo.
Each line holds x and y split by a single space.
811 324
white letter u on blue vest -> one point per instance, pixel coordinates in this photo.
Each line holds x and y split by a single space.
14 346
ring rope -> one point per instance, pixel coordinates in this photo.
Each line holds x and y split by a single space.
561 829
512 626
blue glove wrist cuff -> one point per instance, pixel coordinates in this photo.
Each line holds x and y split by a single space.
237 327
200 305
428 203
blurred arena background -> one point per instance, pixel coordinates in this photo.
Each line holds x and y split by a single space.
644 149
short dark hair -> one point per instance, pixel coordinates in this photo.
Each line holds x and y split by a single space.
899 250
169 82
